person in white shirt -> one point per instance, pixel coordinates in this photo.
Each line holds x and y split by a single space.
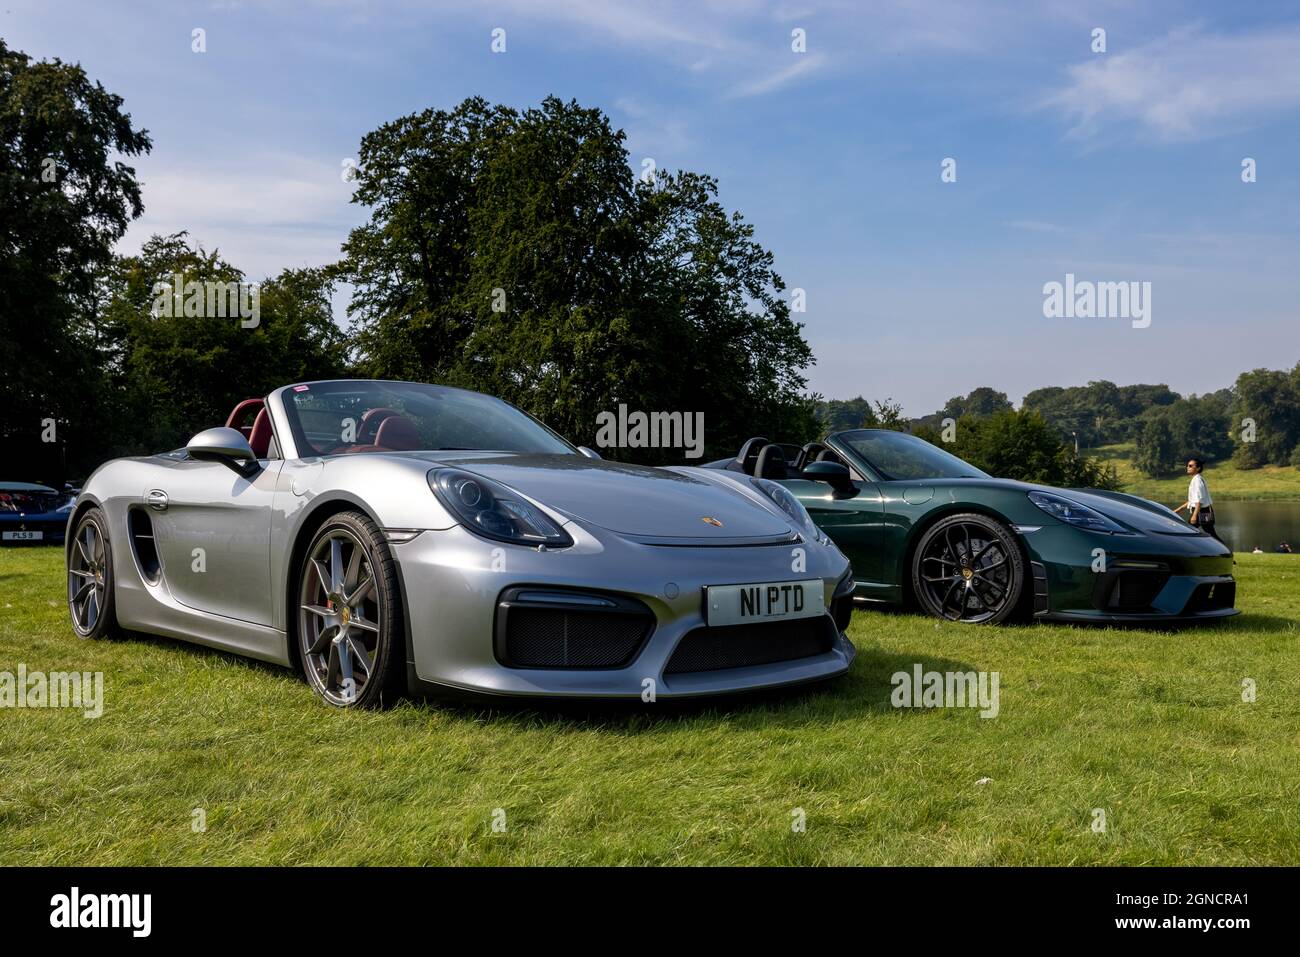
1198 498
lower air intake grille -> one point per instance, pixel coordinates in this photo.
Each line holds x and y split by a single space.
558 630
739 646
1212 597
1129 590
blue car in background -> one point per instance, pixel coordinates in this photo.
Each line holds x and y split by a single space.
33 513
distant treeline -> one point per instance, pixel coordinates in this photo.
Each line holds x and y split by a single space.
1256 422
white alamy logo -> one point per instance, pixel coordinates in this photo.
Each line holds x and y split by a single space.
83 690
1085 299
947 689
74 909
652 430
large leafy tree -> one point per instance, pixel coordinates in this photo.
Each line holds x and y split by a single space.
420 176
1266 417
981 401
66 196
515 252
174 375
1194 426
1157 449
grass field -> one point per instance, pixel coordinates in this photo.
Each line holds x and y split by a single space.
1273 483
1148 726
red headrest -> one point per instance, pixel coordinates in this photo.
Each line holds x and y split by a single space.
242 411
398 434
370 422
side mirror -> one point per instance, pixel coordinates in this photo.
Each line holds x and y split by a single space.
589 453
224 445
833 473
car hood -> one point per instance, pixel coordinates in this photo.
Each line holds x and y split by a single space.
632 500
1137 513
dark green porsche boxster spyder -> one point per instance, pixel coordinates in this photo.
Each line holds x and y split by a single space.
922 527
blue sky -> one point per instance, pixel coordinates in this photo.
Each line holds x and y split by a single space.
1115 166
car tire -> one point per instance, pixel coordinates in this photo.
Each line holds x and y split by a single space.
90 578
351 624
969 568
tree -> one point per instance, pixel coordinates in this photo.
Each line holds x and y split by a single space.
66 197
1266 417
1170 434
1021 445
1099 413
174 375
886 414
1068 411
981 401
1157 453
840 415
514 252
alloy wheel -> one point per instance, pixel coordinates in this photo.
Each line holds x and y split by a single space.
339 616
87 577
967 573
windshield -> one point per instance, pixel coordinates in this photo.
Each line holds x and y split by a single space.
343 418
899 457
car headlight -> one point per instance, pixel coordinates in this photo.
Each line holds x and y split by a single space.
494 510
785 500
1072 513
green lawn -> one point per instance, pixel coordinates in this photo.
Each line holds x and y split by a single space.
1275 483
1148 725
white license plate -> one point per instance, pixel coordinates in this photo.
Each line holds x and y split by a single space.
765 601
22 536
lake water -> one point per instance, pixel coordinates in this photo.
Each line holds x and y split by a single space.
1243 525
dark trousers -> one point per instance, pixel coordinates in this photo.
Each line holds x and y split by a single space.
1205 522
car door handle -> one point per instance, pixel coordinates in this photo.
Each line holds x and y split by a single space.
157 499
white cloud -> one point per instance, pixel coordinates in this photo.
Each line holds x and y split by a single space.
264 212
802 65
683 25
1035 226
1189 84
652 130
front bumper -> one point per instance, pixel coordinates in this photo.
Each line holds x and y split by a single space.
453 583
1155 579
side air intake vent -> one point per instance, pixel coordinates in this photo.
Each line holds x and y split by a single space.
144 547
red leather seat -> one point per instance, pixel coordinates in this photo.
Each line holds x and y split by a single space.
259 439
259 433
397 434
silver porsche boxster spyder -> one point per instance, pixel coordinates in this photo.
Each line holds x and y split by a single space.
391 537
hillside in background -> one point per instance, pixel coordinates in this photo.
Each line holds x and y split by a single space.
1271 483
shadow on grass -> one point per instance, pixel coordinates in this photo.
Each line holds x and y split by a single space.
194 650
865 690
1254 622
1026 622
